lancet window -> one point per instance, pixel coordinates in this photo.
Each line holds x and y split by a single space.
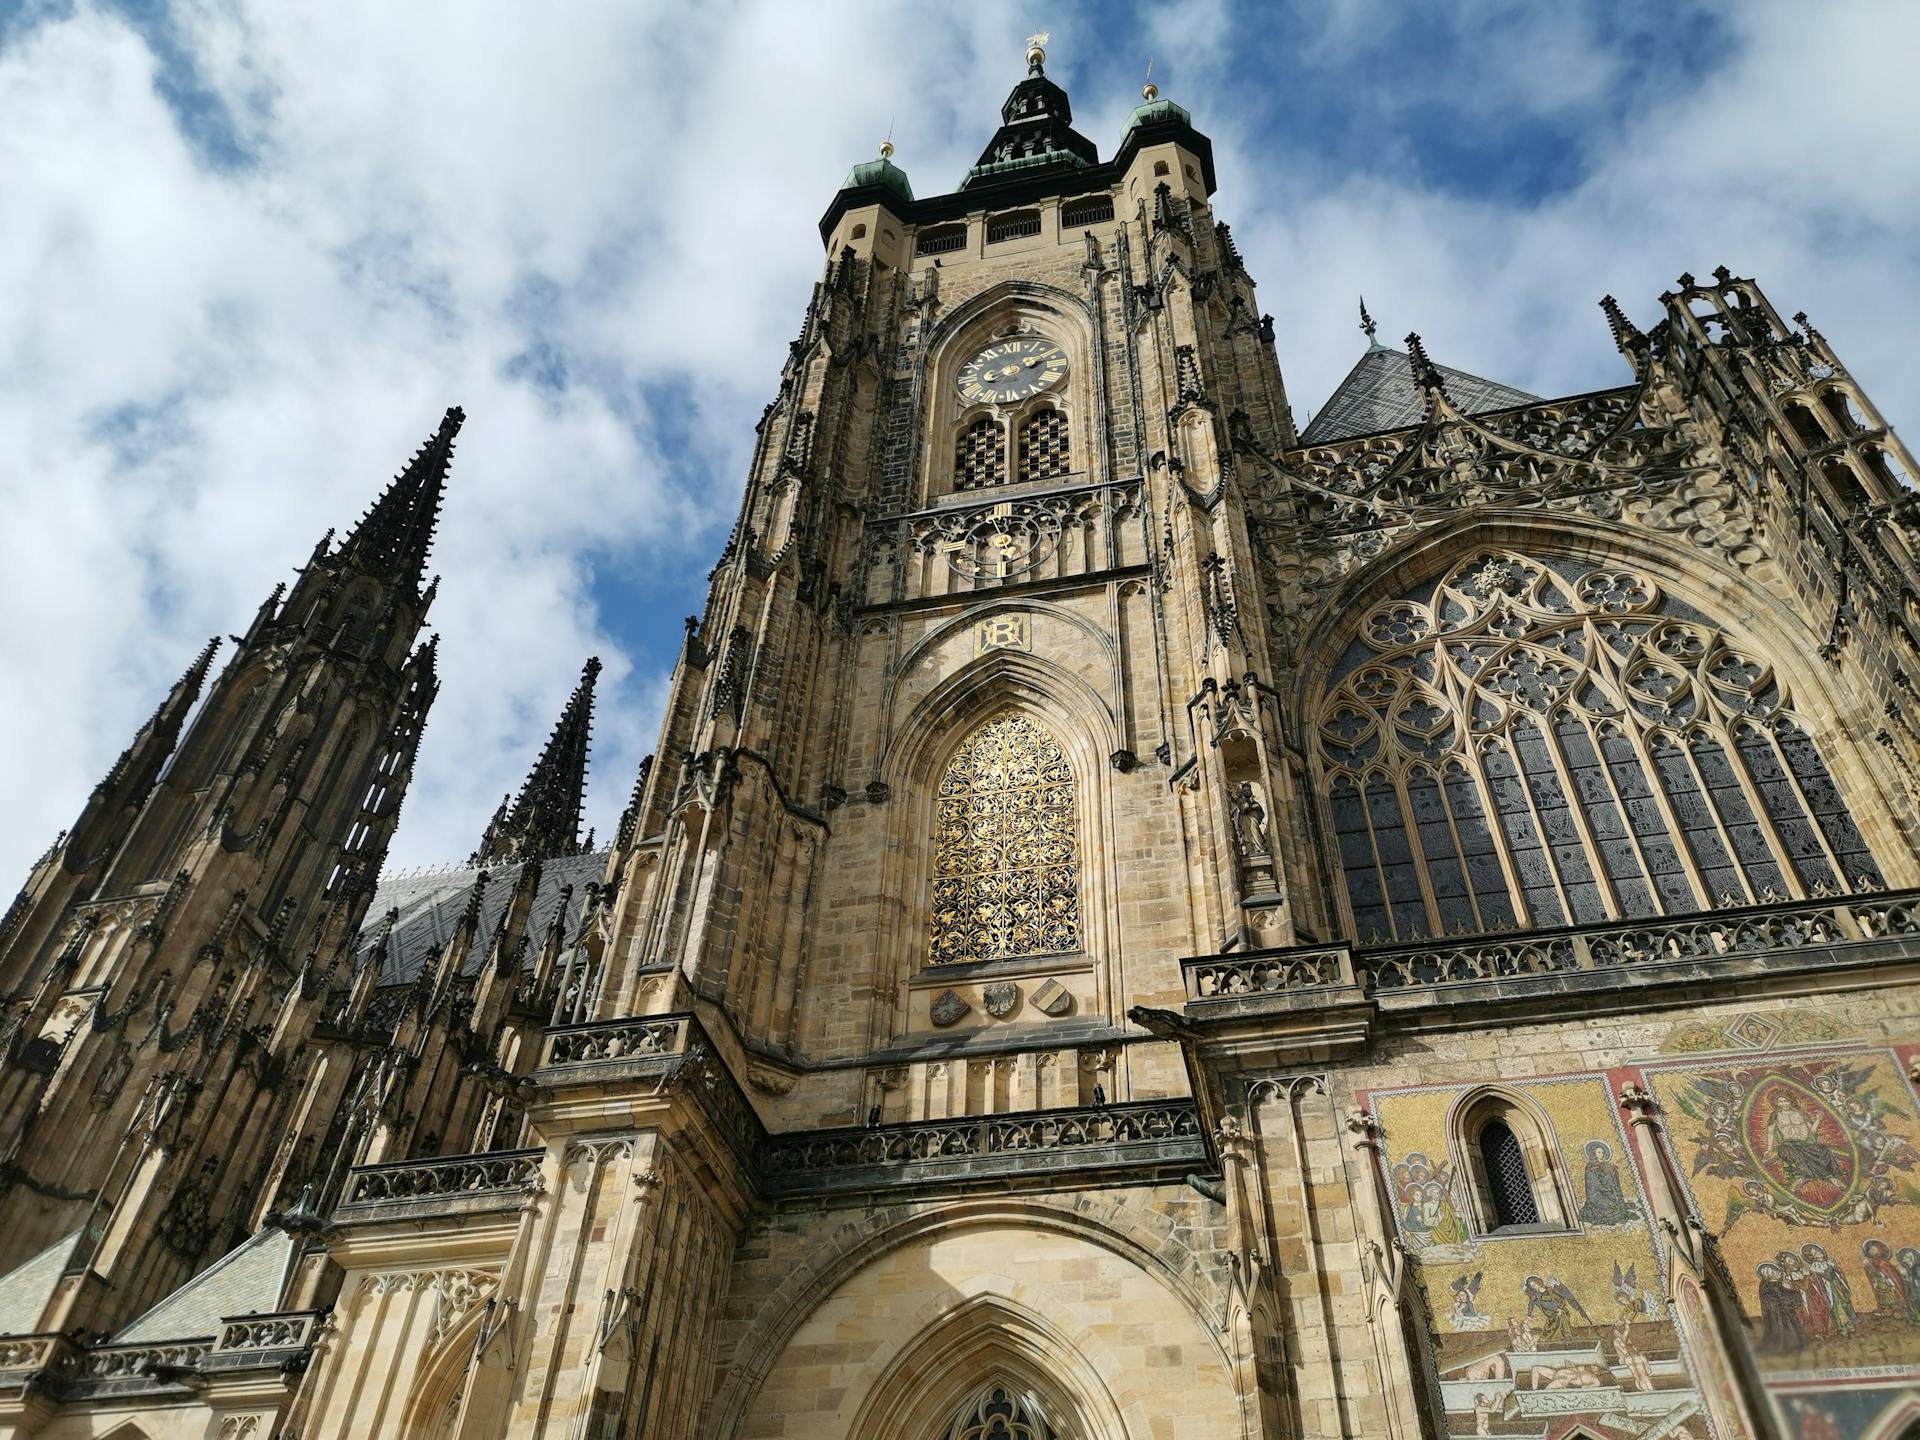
1525 744
1508 1183
980 457
1006 848
1045 450
1000 1412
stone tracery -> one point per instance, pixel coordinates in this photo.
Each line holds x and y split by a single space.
1530 744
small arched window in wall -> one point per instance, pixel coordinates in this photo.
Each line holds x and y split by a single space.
1511 1165
1006 853
1045 451
1535 745
1000 1412
1506 1171
980 457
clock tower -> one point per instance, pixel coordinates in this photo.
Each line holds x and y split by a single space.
1143 921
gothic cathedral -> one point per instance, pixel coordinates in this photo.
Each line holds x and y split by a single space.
1144 921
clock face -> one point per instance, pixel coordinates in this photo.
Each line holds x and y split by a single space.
1010 370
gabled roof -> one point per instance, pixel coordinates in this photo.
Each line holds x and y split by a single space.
1379 394
25 1290
247 1281
431 904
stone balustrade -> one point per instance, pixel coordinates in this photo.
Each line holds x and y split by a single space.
287 1330
1270 972
978 1146
601 1041
1741 931
160 1361
439 1185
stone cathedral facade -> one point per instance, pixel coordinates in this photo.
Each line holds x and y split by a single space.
1143 922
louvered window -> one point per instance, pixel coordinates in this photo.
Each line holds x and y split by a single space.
980 459
1087 210
1045 452
941 240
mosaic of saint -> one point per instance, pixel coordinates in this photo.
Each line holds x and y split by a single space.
1806 1166
1540 1331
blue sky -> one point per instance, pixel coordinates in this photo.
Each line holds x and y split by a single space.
252 250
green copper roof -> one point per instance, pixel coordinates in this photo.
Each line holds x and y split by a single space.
1154 110
879 172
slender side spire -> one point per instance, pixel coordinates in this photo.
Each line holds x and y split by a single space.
545 818
394 535
1426 375
110 808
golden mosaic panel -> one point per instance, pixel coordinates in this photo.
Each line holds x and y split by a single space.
1536 1331
1805 1165
1006 855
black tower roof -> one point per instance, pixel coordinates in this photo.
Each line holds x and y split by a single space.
545 818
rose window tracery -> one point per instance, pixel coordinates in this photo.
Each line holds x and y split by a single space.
1006 848
1532 745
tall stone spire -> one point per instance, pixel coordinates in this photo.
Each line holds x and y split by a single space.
545 818
393 537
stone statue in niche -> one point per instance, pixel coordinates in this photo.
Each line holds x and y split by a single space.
1250 822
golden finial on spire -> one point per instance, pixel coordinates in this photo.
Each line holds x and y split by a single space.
1037 51
886 149
1149 91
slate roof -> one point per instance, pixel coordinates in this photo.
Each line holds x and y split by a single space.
1379 394
431 902
25 1290
247 1281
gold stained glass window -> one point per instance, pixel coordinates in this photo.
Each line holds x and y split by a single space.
1006 852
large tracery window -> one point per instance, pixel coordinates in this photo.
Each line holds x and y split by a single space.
980 457
1001 1412
1528 744
1005 850
1045 452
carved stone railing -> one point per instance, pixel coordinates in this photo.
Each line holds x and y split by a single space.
412 1188
285 1330
1155 1133
1266 972
1742 932
600 1041
141 1361
22 1353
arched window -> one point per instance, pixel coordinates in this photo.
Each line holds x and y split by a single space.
980 459
1045 452
1006 852
1535 744
1511 1165
1508 1185
1001 1412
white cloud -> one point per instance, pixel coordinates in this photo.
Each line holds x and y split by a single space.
202 367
